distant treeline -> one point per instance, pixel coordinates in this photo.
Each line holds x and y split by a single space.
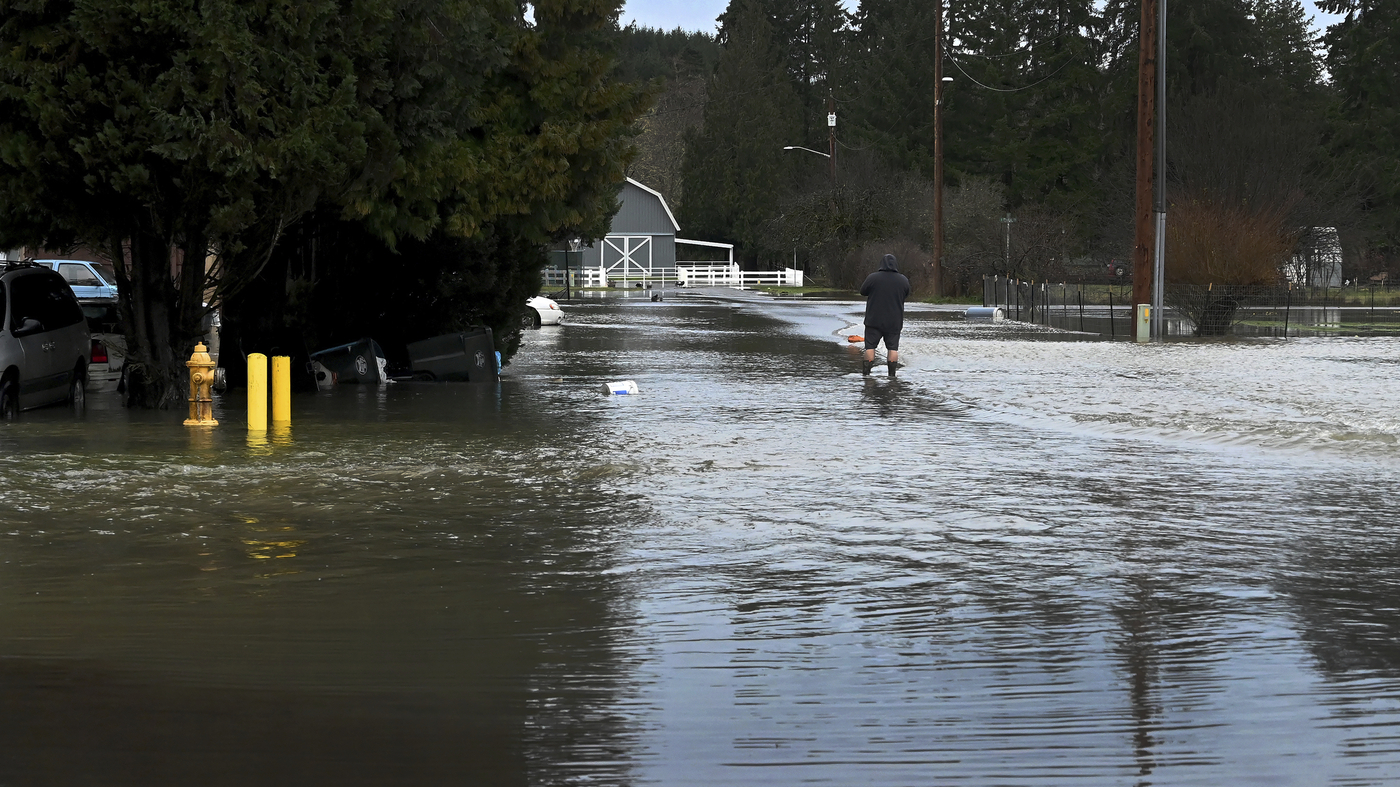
1271 129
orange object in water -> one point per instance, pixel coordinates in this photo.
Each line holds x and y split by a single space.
853 338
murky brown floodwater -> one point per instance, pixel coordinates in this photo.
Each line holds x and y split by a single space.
1026 562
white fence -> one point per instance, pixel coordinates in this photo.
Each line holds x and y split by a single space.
703 274
597 277
730 275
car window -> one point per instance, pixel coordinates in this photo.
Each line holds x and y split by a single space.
46 298
107 272
78 275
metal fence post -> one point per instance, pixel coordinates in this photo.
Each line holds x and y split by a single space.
1287 308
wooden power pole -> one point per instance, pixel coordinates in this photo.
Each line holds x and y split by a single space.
1143 235
937 147
831 136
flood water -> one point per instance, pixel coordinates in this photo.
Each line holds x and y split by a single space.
1032 559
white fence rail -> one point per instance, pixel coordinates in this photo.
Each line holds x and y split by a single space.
730 275
719 274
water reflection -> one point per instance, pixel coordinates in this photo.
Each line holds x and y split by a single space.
385 603
883 395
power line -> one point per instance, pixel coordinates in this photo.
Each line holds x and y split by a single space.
970 78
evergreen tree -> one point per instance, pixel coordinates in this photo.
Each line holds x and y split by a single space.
735 168
1363 57
155 131
888 96
1024 103
1288 46
811 35
646 54
158 130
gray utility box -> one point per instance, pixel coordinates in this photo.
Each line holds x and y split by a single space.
469 356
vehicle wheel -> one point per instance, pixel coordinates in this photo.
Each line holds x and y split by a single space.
77 391
9 401
530 319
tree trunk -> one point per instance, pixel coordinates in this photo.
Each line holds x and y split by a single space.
1218 316
191 280
162 319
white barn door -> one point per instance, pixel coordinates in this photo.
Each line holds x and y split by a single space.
627 256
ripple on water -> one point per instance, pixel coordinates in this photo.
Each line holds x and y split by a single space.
1024 562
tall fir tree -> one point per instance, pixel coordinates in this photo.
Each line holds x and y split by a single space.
736 170
811 35
887 98
1024 98
1363 58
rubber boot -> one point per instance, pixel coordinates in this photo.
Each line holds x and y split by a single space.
892 366
866 366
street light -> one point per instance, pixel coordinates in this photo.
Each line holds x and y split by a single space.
575 245
819 153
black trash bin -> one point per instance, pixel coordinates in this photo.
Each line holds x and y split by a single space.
356 362
469 356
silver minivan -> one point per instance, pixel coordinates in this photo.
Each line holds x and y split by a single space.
44 341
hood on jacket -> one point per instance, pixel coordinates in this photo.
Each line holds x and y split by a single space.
888 264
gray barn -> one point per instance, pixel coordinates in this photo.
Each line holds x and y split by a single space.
640 244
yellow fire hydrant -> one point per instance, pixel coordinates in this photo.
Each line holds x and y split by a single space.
201 379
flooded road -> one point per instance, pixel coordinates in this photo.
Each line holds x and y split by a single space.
1033 559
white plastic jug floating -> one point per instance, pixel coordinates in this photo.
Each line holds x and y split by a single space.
621 388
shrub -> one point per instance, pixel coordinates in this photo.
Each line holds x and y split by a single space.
1213 249
860 262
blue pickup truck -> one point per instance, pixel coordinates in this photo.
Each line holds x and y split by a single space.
89 280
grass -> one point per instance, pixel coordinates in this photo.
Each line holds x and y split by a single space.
1354 297
960 300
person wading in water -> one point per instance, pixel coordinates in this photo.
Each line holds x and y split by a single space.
884 291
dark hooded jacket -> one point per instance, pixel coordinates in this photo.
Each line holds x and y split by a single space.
885 291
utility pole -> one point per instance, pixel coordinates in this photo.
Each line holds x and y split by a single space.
831 141
1142 213
938 147
1159 207
1008 221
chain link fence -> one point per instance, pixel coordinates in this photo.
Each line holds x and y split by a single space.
1211 310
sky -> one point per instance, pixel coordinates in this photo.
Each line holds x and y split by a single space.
701 14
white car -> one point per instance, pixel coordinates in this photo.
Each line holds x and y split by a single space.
108 360
542 311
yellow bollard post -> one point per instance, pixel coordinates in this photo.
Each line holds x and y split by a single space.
281 389
201 368
257 392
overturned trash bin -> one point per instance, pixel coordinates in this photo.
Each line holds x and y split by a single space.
469 356
356 362
985 314
621 388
